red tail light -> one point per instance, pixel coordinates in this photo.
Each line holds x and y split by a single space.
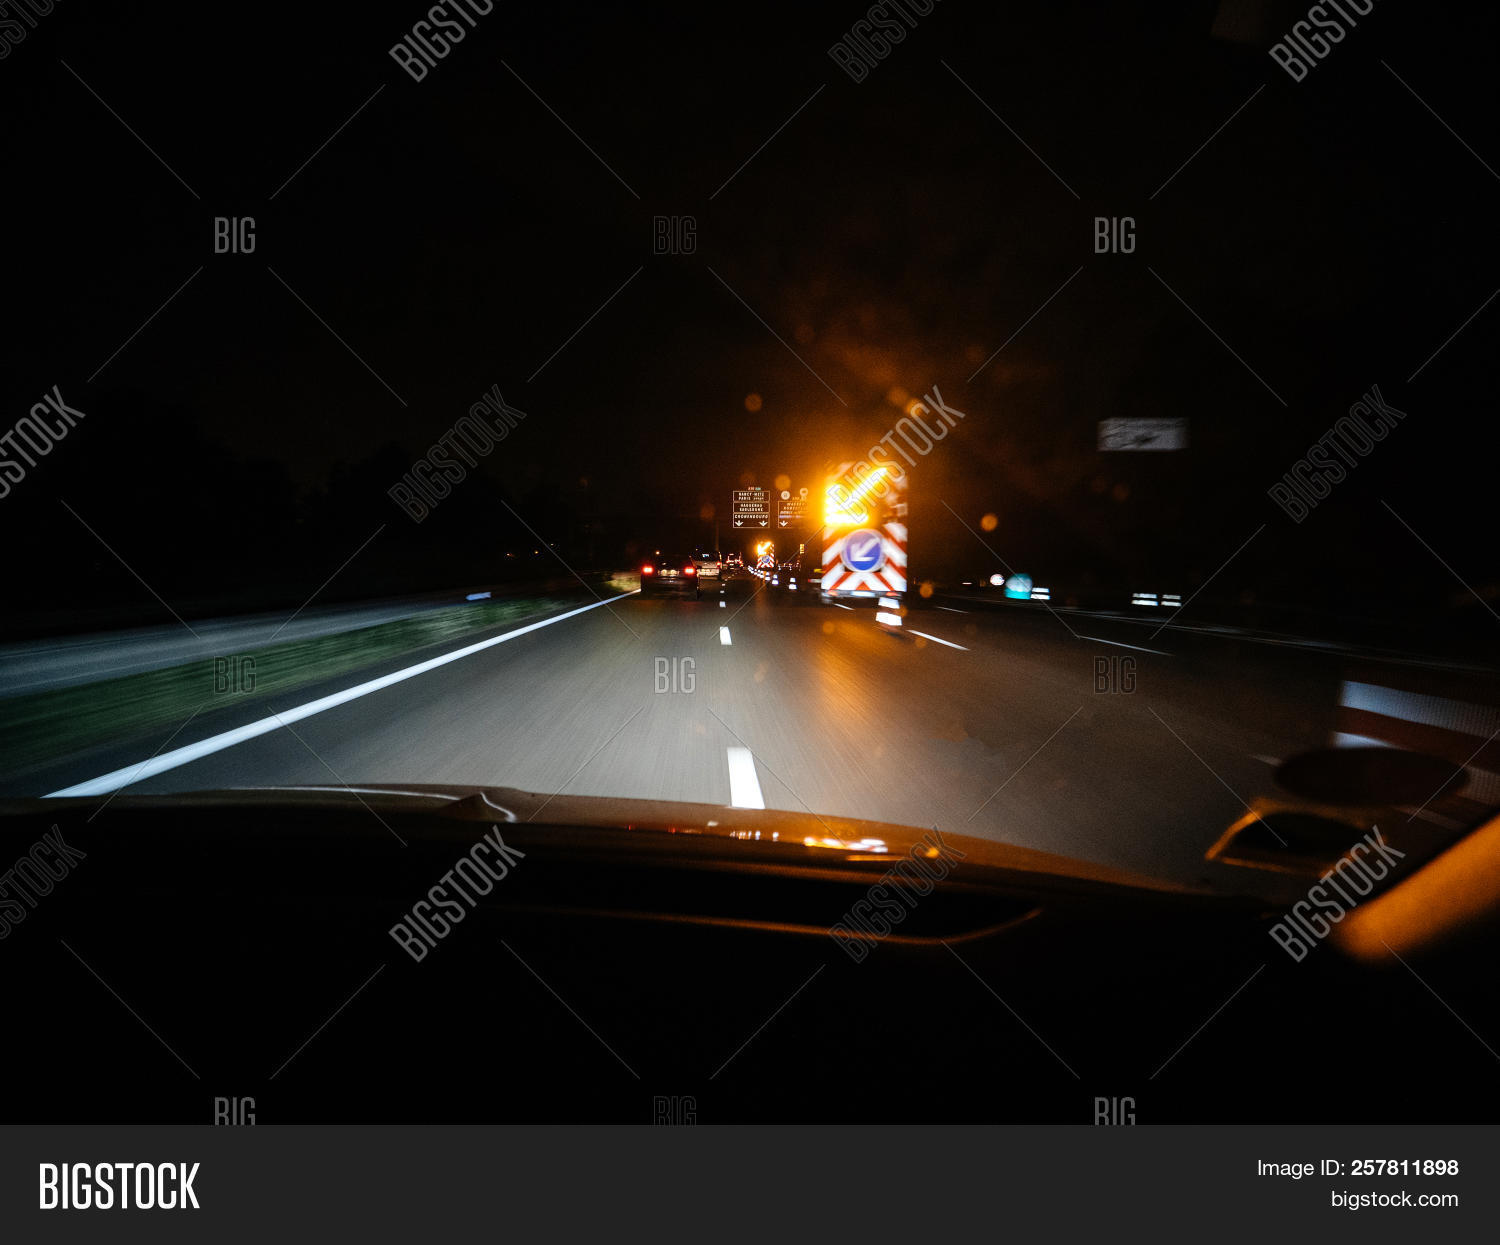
689 570
648 570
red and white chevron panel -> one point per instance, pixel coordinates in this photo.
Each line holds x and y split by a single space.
888 578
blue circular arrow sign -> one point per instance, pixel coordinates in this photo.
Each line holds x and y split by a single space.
864 550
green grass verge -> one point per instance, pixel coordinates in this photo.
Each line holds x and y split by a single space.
44 726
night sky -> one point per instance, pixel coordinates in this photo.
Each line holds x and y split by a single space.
1331 236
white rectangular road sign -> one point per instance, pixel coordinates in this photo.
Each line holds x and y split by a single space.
1143 434
791 508
750 507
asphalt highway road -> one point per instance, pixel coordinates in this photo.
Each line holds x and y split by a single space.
1081 736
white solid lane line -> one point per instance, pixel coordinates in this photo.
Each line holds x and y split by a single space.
724 635
951 610
1101 640
744 787
116 779
935 640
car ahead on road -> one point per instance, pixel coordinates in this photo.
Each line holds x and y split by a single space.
800 574
710 564
932 977
672 574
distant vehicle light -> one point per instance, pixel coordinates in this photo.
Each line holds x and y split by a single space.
997 580
689 570
648 570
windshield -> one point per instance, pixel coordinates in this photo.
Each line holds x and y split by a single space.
1075 434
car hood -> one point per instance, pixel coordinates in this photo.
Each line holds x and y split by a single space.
817 840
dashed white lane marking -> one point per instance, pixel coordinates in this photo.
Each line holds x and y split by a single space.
744 787
842 606
1101 640
116 779
724 635
936 640
951 610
